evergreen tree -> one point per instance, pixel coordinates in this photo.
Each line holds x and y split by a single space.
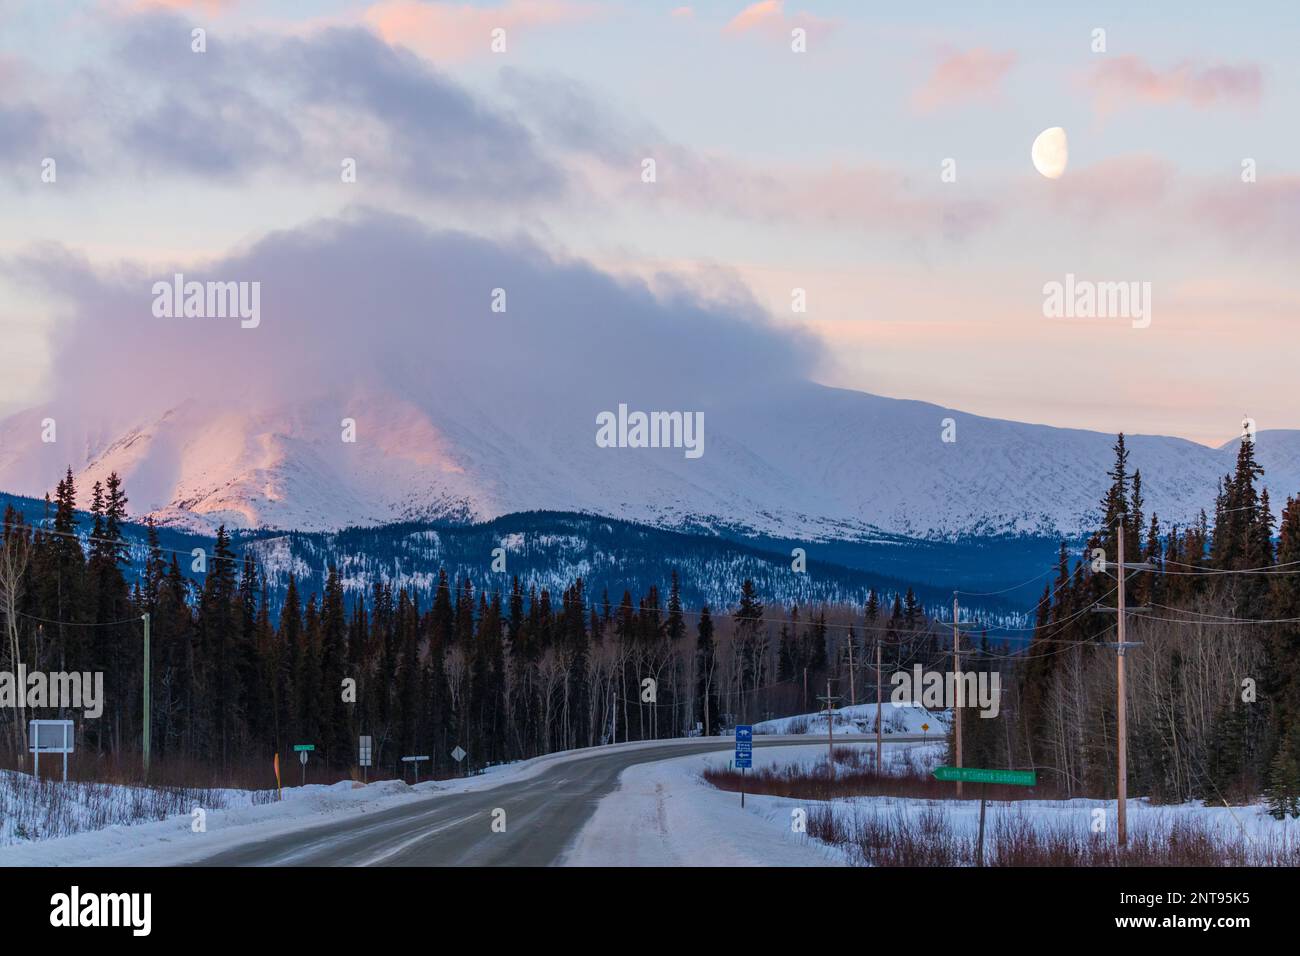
706 674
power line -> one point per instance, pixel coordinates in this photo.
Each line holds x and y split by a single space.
45 620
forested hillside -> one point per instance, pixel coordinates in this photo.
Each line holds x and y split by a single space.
515 670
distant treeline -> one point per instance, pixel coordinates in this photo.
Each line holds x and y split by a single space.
512 672
504 674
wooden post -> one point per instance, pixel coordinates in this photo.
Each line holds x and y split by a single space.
830 729
1122 731
879 729
956 680
979 853
853 693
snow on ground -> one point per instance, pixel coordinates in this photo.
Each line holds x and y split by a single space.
664 814
240 820
1231 824
861 719
44 809
171 841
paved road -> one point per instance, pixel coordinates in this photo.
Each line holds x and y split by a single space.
544 814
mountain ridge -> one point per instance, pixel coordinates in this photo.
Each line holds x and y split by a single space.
800 461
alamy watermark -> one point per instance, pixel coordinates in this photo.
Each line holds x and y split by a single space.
208 300
937 690
651 430
130 910
1085 299
75 690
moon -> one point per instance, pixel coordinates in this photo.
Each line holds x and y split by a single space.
1050 153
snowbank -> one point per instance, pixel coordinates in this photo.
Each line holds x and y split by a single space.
663 814
910 719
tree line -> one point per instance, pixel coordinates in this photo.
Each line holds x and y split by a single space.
506 674
517 671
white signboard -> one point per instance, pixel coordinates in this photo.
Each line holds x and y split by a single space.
363 754
49 736
416 762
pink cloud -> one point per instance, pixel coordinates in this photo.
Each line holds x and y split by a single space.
445 32
1115 187
1128 80
1146 193
206 6
769 17
1266 212
963 75
859 197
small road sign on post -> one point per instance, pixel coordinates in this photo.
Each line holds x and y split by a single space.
363 756
1015 778
459 754
984 777
51 737
415 762
744 754
303 750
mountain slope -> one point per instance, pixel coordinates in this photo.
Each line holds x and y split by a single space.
799 461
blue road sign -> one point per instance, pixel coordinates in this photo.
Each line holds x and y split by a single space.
744 746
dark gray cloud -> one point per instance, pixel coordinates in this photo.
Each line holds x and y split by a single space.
20 127
251 102
568 114
380 301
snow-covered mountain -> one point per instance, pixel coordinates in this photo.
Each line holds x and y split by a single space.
800 461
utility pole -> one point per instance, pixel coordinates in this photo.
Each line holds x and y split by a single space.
853 694
145 722
830 728
805 690
1121 705
956 680
1122 733
879 766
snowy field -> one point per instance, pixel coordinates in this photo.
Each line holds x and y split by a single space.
861 719
665 814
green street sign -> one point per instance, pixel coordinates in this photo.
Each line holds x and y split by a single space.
304 746
1018 778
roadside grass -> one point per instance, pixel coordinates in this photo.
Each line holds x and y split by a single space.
32 809
897 837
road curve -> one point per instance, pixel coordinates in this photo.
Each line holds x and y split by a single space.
544 814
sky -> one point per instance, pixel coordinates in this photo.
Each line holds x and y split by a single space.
883 168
